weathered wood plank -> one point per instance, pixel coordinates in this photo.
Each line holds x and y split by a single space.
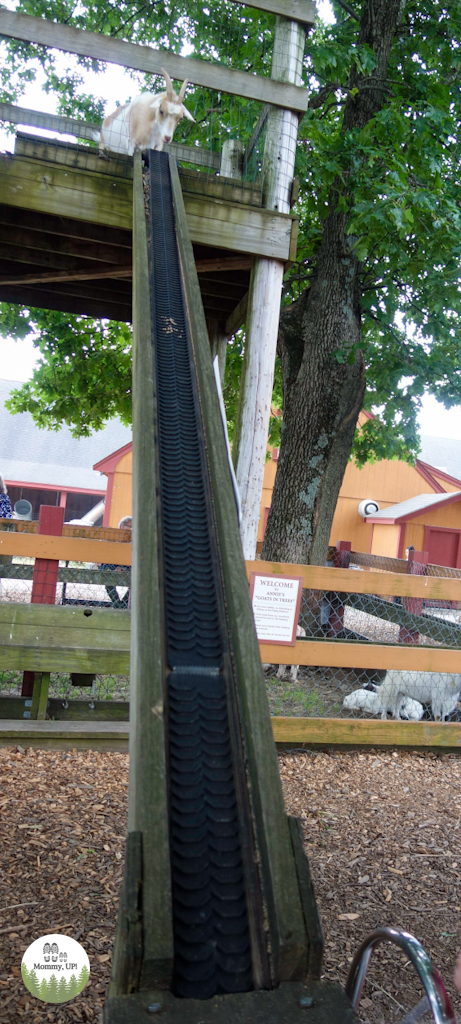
31 637
55 615
64 302
148 786
240 228
67 192
195 182
68 154
326 732
64 276
83 156
316 577
345 654
313 732
105 200
66 735
62 659
237 317
150 60
53 259
65 549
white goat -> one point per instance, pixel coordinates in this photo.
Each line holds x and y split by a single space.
145 123
294 669
370 701
438 689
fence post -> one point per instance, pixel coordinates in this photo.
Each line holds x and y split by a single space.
342 557
45 578
416 566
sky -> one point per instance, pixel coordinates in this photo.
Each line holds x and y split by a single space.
17 359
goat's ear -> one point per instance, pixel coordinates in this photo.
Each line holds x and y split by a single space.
186 113
182 91
169 85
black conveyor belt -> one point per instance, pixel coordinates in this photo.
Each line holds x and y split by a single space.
212 944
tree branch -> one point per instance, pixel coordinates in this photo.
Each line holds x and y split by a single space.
350 10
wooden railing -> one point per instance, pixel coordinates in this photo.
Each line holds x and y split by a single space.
77 544
44 639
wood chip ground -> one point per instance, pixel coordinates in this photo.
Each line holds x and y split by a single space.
382 832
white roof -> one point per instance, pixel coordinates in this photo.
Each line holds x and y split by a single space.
412 505
54 457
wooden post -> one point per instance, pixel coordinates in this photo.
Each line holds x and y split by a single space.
416 566
45 578
253 413
341 560
232 158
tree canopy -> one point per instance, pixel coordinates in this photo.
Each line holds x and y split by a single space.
393 174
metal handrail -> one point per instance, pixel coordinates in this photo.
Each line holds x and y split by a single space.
437 997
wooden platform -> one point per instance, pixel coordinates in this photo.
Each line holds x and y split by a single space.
65 229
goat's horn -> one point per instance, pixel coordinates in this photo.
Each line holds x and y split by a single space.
182 91
169 85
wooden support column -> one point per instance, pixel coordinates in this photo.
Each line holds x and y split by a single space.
45 578
416 566
253 411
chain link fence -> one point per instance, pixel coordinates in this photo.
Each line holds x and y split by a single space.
348 619
63 689
373 619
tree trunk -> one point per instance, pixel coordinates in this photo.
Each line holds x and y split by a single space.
319 345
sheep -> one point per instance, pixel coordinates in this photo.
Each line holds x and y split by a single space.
370 701
436 688
145 123
294 669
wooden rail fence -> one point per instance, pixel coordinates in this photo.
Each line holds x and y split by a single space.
42 639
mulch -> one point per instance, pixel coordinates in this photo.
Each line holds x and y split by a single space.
382 832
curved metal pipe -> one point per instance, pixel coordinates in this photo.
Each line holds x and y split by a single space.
439 1002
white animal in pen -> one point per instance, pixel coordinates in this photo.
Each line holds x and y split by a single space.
294 669
148 122
439 689
370 701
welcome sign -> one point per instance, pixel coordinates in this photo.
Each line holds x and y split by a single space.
276 601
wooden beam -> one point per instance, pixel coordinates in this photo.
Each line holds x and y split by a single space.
231 189
237 317
150 60
311 732
225 263
353 732
107 243
316 577
62 276
18 254
239 228
348 654
72 549
65 303
66 735
66 191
